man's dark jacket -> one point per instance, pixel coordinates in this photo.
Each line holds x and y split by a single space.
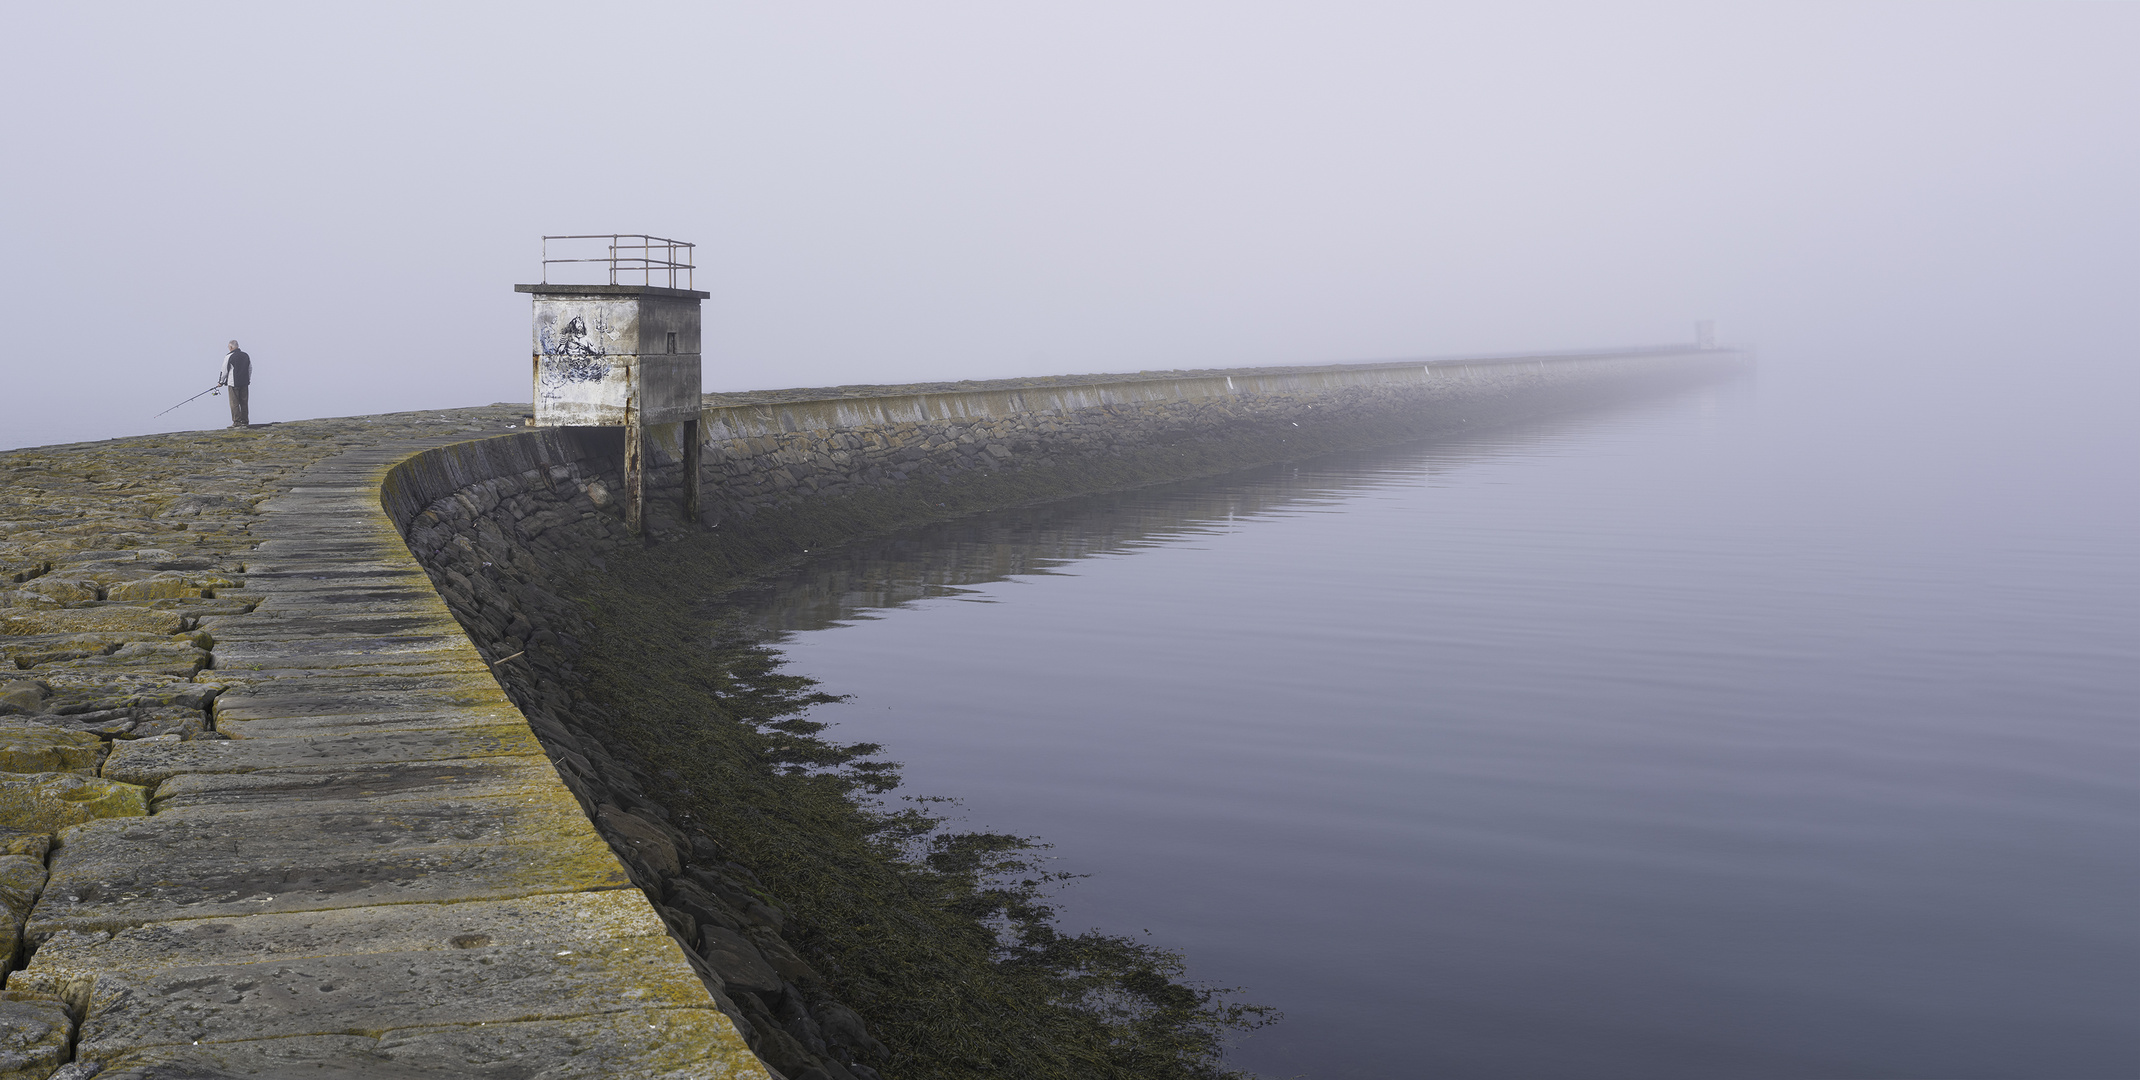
241 368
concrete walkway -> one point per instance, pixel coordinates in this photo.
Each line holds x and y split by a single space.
378 873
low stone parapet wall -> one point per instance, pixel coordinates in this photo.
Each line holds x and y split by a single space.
764 455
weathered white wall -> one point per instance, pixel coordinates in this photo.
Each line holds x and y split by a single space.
599 359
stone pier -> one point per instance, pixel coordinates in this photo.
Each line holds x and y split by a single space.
294 779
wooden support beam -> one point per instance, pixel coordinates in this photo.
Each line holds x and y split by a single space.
634 473
691 465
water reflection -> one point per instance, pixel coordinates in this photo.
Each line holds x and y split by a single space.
1720 736
947 560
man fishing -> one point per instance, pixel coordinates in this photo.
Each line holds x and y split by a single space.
238 377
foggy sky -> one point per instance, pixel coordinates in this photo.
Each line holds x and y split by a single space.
886 193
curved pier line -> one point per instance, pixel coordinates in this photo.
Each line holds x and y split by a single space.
503 523
385 867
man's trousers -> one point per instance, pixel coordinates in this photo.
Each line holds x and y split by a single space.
237 405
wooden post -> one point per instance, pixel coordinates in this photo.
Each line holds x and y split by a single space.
634 473
691 462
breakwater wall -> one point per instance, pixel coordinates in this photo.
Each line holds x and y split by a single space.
504 525
346 804
1111 430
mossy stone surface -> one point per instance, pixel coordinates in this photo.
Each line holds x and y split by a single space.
36 1036
53 801
29 747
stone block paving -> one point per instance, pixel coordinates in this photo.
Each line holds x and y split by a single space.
263 809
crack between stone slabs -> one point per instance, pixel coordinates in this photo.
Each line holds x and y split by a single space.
24 951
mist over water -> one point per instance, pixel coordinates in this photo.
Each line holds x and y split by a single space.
1782 728
1748 732
931 190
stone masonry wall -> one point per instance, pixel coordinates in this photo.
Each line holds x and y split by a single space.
760 456
525 516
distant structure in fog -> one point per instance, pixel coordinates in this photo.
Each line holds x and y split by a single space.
1705 333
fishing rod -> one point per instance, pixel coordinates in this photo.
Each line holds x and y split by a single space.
193 399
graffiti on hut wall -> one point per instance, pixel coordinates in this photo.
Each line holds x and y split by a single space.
575 355
609 360
583 357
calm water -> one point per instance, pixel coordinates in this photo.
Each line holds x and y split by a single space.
1758 731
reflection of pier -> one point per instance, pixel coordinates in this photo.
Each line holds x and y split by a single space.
945 559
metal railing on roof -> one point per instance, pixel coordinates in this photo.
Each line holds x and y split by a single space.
630 253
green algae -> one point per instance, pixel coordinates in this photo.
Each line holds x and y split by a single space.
944 942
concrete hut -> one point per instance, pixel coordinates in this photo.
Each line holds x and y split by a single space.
622 354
